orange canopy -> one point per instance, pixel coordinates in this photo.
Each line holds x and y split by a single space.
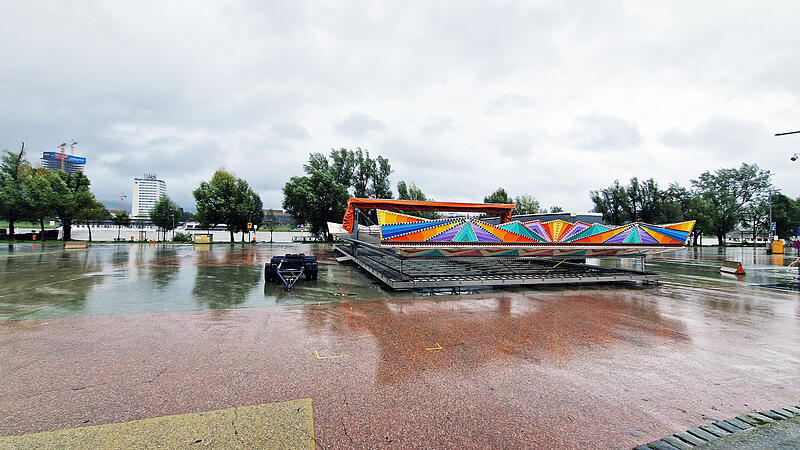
413 205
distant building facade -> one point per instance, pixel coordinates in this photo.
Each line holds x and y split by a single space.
56 161
146 192
281 217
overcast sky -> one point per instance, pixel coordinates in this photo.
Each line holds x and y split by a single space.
552 99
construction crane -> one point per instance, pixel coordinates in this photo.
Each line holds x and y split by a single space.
121 198
63 147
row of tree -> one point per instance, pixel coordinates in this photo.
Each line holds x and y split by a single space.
524 204
27 193
36 194
321 195
720 202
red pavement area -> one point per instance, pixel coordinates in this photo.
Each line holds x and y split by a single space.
575 368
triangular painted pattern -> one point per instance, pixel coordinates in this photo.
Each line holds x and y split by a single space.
398 228
659 236
422 235
677 235
633 236
519 228
503 234
391 231
388 218
557 228
449 234
594 229
599 238
466 234
620 237
536 227
577 228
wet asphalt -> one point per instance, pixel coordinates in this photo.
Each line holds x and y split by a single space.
127 332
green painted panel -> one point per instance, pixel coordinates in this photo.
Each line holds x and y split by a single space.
466 234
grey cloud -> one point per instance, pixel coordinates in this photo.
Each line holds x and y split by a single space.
719 134
439 125
358 124
509 102
604 132
290 131
448 90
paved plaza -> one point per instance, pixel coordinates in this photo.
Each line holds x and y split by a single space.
188 342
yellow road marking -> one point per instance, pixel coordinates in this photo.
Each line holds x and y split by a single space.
283 424
327 357
438 347
548 270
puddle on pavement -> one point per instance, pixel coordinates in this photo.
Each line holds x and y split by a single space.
48 282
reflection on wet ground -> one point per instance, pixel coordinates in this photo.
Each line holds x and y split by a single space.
122 333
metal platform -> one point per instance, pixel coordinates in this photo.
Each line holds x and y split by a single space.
434 273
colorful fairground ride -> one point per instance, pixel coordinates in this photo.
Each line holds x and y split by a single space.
410 236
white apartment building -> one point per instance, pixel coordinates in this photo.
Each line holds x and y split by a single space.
146 192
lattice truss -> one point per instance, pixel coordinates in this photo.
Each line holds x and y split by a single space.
402 228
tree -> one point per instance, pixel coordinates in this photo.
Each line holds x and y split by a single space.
527 204
611 203
729 191
88 209
556 209
412 192
315 200
40 194
786 215
756 217
13 205
229 200
675 204
164 214
75 201
354 169
498 196
270 222
121 219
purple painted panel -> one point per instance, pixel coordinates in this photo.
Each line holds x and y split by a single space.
646 238
573 231
620 238
448 235
483 235
537 228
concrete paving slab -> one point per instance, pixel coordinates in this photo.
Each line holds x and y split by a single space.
782 411
762 418
715 430
782 434
726 426
275 425
749 420
701 433
690 438
739 423
772 415
677 443
661 445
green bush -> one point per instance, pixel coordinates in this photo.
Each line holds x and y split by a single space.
182 237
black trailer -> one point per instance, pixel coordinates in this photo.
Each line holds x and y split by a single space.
288 269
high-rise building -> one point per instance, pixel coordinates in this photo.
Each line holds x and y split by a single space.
146 192
59 161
